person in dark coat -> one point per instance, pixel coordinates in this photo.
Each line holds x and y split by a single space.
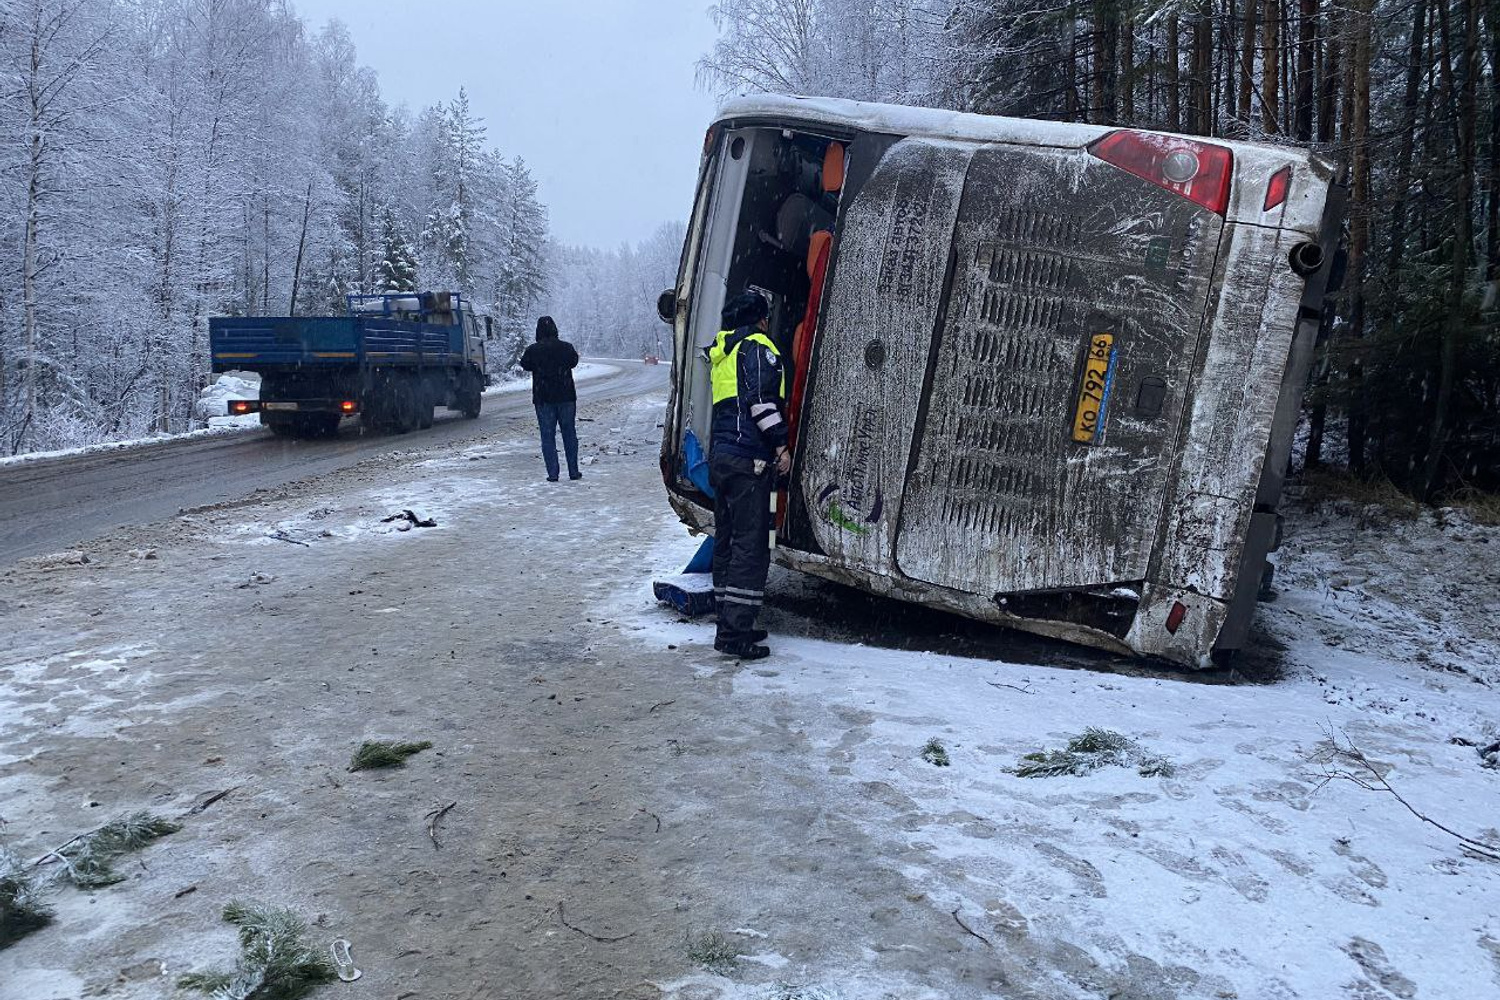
748 450
551 362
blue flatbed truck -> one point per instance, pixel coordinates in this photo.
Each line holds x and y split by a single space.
393 359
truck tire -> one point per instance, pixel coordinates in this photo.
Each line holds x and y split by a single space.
403 403
283 430
470 402
427 394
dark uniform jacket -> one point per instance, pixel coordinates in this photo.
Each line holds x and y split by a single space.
752 422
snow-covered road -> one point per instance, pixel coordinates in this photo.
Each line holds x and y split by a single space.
624 794
49 503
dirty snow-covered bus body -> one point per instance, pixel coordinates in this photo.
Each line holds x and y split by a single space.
1044 374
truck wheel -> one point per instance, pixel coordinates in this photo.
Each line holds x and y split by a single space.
403 405
426 394
470 402
282 430
327 426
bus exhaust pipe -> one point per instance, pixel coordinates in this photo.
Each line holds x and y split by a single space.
1306 258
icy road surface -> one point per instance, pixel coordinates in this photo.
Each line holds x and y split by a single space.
48 504
620 793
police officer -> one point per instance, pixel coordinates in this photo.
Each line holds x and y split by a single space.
748 450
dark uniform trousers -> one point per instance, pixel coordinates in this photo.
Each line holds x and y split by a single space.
742 539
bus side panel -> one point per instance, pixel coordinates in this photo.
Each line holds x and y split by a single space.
873 349
1228 433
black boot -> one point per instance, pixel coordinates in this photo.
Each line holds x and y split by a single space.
744 650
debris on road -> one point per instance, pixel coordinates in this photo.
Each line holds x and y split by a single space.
376 754
433 818
281 536
23 906
256 580
412 521
1088 752
714 953
274 961
57 560
88 859
343 961
934 753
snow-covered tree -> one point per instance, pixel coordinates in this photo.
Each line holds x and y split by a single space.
397 271
165 161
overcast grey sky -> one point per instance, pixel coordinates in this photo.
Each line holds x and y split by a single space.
596 95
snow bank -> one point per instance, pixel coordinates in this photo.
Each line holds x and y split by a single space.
213 401
582 373
1246 872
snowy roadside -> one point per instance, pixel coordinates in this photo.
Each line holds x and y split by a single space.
585 371
212 408
1245 873
606 759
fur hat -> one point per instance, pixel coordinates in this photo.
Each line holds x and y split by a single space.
745 309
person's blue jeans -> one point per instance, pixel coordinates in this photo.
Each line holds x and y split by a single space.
549 416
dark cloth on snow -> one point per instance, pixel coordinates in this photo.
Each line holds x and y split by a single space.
742 424
551 362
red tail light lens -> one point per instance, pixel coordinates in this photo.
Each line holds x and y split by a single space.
238 406
1281 182
347 406
1175 616
1198 171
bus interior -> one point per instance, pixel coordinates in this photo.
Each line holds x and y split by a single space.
769 228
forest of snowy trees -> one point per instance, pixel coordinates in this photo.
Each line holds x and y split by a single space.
605 300
163 161
1403 92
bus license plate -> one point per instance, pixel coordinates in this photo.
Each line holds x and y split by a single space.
278 406
1093 394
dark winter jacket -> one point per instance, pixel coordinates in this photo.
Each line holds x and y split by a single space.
551 362
752 422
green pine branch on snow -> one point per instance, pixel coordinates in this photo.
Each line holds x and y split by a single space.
378 753
1088 752
88 860
275 961
23 906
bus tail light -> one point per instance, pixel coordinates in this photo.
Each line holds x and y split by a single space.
1199 171
1276 190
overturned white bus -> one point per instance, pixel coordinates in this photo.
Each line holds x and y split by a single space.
1044 374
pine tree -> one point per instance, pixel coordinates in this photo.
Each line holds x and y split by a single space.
397 271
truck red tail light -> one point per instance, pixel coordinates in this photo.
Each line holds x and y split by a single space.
348 406
1199 171
240 407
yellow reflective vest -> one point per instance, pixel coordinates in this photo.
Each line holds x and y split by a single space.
724 365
